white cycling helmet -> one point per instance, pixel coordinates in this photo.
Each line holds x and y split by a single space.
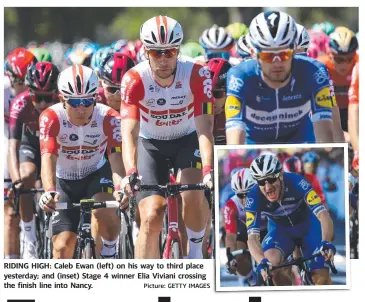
216 38
242 181
273 29
161 32
265 165
303 38
77 81
243 46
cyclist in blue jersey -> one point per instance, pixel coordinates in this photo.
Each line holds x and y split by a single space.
278 97
295 213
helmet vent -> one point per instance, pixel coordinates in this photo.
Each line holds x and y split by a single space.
171 36
176 41
162 34
70 87
78 84
153 37
87 86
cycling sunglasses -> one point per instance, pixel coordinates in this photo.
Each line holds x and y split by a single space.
219 93
270 180
157 53
223 55
86 102
272 56
341 59
241 195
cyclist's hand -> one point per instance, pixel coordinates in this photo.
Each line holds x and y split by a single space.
130 184
48 200
122 198
18 184
263 268
355 161
208 176
231 266
328 250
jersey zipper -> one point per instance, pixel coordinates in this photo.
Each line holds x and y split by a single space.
286 214
277 107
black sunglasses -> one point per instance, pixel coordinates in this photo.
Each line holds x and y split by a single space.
241 195
270 180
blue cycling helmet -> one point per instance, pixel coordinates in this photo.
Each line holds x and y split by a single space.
118 45
99 56
310 158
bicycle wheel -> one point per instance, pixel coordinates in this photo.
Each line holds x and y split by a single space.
88 250
175 250
40 234
122 248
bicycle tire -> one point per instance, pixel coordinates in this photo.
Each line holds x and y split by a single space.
87 250
130 245
175 250
122 248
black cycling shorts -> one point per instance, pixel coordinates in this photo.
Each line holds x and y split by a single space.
28 153
72 191
344 119
153 155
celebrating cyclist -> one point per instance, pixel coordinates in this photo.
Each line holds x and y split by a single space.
74 135
278 97
167 111
295 213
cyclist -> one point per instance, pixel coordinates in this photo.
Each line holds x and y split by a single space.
353 117
74 135
167 106
16 65
325 27
277 97
303 40
243 47
237 30
217 42
23 152
112 70
282 156
340 62
235 225
192 50
295 212
218 70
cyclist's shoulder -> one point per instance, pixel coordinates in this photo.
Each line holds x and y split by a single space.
21 103
304 65
292 178
53 111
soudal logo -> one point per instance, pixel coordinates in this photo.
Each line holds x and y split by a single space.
79 151
168 116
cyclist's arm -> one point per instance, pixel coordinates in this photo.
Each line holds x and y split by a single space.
353 125
49 128
230 223
112 129
130 131
338 135
323 131
235 126
254 245
15 136
48 171
201 87
326 225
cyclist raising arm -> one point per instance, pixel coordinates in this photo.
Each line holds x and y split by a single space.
278 97
167 107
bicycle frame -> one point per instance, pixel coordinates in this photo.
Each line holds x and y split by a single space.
84 233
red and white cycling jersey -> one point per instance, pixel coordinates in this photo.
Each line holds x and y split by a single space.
80 149
167 113
232 211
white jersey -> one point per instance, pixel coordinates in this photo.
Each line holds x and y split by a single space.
80 149
167 113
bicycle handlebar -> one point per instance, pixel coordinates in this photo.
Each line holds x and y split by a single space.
174 187
88 204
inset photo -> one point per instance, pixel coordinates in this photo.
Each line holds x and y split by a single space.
283 217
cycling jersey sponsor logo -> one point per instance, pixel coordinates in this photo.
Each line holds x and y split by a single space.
93 135
304 184
207 83
44 131
324 98
63 138
235 84
289 199
312 198
232 107
151 88
18 105
178 97
115 121
168 116
287 115
79 150
150 102
94 124
250 218
178 85
197 153
105 180
161 102
248 202
91 143
168 123
321 76
292 97
74 137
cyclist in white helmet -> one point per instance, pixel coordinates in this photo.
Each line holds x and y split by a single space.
167 112
74 135
235 226
303 40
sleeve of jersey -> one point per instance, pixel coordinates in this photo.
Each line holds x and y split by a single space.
201 87
132 92
49 128
323 97
354 87
311 197
234 106
112 130
230 217
253 213
16 121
